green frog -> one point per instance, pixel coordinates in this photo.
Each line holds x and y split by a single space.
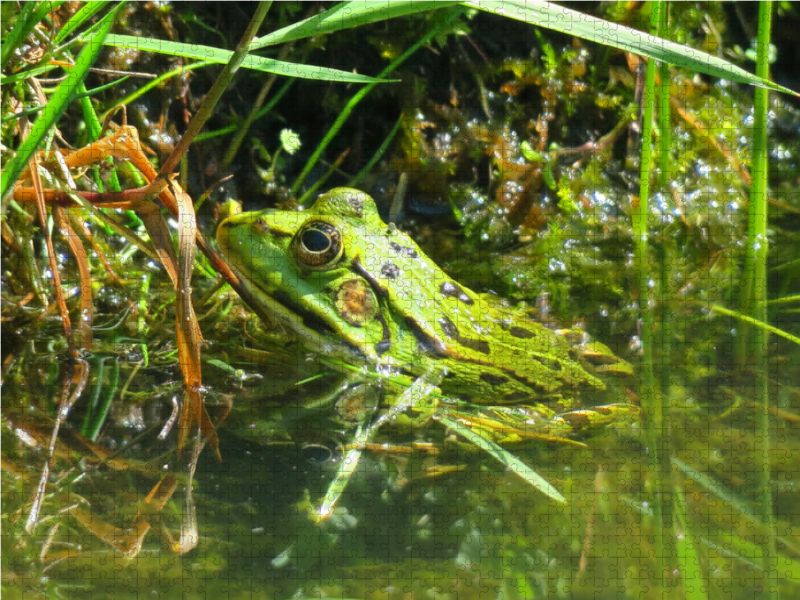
352 287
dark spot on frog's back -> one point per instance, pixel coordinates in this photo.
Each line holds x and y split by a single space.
426 343
493 380
449 328
550 363
357 204
453 290
390 270
451 331
403 250
519 332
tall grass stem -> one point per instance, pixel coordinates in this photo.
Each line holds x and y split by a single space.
756 273
651 400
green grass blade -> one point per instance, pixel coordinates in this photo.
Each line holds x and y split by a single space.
58 103
360 95
33 72
257 63
720 491
757 251
791 264
750 554
377 156
651 397
264 111
45 8
608 33
213 96
694 584
755 322
86 12
31 14
82 95
505 458
785 300
158 81
105 406
22 27
346 16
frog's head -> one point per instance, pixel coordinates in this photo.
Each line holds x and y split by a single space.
282 243
308 268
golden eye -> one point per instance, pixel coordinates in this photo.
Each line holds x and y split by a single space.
318 245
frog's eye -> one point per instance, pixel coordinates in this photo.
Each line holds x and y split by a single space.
318 245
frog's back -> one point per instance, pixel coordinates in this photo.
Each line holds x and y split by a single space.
500 357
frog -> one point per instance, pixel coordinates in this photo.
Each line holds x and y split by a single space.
351 287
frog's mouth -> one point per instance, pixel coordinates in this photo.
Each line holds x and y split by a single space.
280 306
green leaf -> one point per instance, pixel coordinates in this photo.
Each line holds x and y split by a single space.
257 63
34 72
530 154
608 33
86 12
220 365
346 16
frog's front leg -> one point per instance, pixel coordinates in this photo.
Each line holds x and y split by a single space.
418 415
